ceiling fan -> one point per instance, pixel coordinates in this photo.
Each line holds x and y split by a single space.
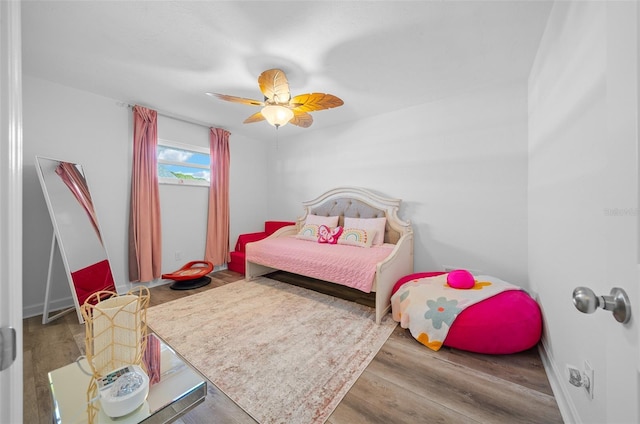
278 107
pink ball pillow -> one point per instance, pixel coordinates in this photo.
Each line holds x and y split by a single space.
460 279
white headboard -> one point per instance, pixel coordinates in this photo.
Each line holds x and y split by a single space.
355 202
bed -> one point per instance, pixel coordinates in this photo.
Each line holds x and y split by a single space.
375 268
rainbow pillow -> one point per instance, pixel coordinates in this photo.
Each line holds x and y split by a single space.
309 232
369 225
356 237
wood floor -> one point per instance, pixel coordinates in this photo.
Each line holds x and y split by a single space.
405 383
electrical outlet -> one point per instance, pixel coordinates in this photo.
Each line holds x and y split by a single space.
588 375
178 255
582 379
574 375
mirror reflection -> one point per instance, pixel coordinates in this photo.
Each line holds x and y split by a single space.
76 230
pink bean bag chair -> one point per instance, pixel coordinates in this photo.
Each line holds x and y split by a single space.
476 328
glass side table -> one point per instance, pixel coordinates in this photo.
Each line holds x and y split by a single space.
180 389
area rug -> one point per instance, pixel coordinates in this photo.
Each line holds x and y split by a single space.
283 353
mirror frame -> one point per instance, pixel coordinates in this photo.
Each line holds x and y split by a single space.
59 239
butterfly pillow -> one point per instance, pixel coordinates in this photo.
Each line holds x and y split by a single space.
329 235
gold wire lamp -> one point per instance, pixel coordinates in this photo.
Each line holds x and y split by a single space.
115 335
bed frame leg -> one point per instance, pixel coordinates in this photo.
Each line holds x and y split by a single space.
381 312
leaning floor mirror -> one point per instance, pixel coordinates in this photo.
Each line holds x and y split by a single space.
76 234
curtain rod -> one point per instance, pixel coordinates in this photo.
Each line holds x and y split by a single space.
172 116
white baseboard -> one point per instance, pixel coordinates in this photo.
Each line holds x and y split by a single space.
29 311
556 377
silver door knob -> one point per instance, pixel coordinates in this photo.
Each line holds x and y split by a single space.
7 347
585 300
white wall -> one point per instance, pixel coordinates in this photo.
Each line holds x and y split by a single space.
71 125
94 131
459 165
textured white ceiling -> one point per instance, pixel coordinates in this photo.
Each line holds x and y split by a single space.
377 56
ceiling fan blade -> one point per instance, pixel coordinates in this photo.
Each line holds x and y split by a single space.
235 99
274 85
301 119
315 101
256 117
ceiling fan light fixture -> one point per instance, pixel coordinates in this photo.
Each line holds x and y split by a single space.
277 115
279 107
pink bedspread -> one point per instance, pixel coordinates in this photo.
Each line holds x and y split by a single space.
347 265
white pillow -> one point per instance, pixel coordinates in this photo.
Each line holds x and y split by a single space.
376 224
329 221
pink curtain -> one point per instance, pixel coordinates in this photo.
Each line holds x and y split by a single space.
78 186
217 246
145 241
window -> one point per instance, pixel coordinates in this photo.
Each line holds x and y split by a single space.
183 164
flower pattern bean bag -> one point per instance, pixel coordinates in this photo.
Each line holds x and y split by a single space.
506 322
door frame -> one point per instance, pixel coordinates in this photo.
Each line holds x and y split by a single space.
11 382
